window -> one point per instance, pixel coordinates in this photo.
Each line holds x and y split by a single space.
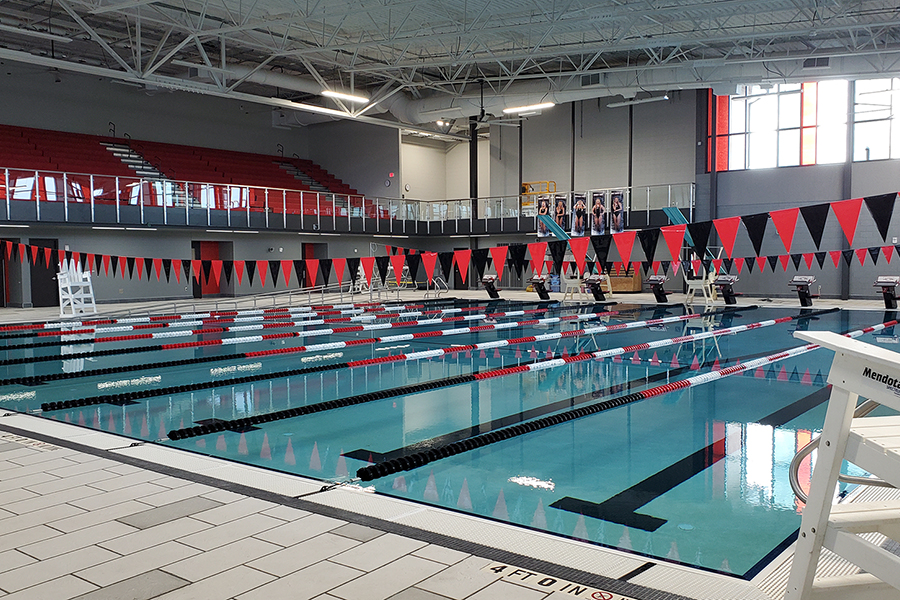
782 125
875 102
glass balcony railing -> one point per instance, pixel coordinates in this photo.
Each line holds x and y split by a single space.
52 196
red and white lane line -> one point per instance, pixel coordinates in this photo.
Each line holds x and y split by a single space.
676 385
278 325
547 364
476 329
268 313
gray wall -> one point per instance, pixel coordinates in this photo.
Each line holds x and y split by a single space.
424 168
547 147
662 143
85 104
359 154
664 140
504 159
601 145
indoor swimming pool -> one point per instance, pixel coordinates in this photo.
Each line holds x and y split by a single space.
567 419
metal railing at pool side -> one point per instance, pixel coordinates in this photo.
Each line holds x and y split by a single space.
794 472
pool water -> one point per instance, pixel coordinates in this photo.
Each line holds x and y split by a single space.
697 476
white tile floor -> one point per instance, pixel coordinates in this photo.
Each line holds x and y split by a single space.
78 522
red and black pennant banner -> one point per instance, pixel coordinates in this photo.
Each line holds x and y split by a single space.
566 255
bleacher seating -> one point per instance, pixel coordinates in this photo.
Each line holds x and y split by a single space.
30 150
39 149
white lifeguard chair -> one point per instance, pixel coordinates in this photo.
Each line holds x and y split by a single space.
871 443
76 292
574 287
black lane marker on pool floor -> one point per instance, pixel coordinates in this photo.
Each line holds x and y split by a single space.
621 507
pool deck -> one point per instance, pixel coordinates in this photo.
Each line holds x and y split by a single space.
87 514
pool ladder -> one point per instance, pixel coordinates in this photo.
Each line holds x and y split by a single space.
871 443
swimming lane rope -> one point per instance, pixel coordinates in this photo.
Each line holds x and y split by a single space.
129 397
304 334
399 391
419 459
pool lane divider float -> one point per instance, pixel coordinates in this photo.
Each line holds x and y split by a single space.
235 315
273 312
271 325
419 459
226 329
317 332
247 423
32 380
280 320
127 398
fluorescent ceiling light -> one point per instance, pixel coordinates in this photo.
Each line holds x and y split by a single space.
641 101
108 228
343 96
141 228
16 226
520 109
391 236
317 234
228 231
308 107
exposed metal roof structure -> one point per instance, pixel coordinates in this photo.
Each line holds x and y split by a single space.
418 60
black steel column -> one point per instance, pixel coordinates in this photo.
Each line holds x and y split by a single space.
473 164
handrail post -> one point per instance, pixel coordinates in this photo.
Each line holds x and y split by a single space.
37 196
141 198
8 193
267 207
118 199
66 199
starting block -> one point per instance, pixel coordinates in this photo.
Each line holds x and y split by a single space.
802 283
489 283
594 284
888 285
539 284
656 286
725 284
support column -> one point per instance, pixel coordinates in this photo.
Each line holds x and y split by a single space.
473 164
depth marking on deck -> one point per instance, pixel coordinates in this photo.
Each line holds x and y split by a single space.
548 584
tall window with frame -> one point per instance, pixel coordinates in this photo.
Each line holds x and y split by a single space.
781 125
875 103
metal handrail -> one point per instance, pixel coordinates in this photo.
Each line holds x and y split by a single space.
861 411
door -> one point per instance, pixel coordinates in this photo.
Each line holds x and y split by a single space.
205 251
44 289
